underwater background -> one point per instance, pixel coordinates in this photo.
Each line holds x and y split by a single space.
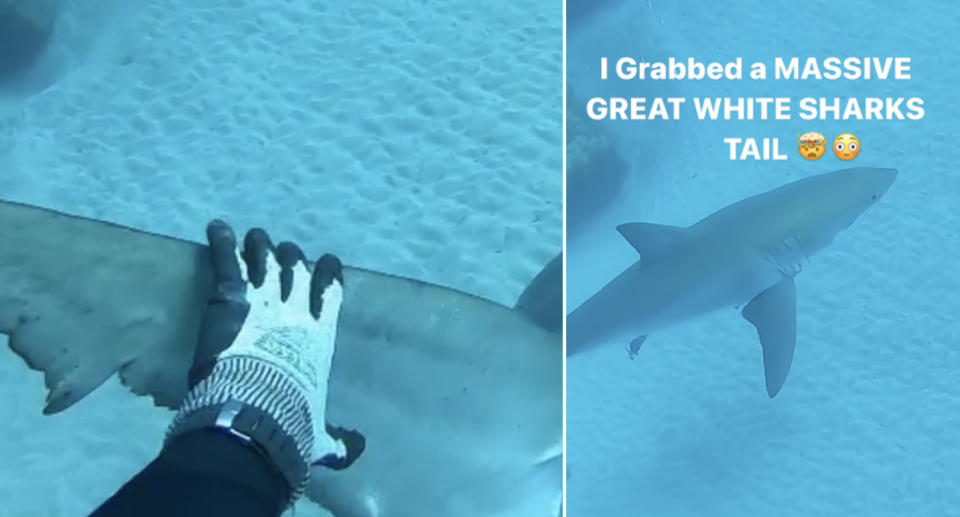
415 138
868 422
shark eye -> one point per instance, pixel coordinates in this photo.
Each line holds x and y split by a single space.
874 197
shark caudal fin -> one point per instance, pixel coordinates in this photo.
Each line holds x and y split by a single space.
542 300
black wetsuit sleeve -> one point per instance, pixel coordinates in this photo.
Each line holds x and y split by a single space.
202 473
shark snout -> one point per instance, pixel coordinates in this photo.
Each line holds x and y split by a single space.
875 180
885 178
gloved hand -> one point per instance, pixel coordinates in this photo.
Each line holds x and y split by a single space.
263 358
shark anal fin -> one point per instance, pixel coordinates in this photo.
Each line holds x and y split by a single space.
651 240
634 348
774 314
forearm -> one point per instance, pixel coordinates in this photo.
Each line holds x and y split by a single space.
256 403
202 473
237 446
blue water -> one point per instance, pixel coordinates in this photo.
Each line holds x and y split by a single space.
867 421
420 139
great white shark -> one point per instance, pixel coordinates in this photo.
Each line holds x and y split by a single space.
744 255
459 398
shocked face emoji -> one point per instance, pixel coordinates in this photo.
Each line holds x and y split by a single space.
812 145
846 146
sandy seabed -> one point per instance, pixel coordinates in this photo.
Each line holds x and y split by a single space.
419 139
866 422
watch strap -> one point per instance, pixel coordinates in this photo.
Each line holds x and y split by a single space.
254 427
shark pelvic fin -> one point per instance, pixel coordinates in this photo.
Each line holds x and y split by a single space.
634 348
651 240
774 314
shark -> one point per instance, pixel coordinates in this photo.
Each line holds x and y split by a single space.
744 255
459 397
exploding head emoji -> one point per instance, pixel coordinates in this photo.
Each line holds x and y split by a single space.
812 145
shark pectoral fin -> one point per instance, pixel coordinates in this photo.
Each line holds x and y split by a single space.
651 240
774 314
542 300
635 345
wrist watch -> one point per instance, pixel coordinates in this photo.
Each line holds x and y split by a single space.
257 429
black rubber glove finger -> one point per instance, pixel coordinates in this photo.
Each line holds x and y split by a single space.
257 248
327 269
227 307
355 443
228 281
289 256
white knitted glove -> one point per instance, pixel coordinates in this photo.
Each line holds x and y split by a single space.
287 336
265 350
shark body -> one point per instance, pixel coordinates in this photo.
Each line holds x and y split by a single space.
460 398
746 254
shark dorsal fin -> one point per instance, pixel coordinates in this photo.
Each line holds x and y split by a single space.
651 240
542 301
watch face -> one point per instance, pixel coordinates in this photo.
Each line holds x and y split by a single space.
228 413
